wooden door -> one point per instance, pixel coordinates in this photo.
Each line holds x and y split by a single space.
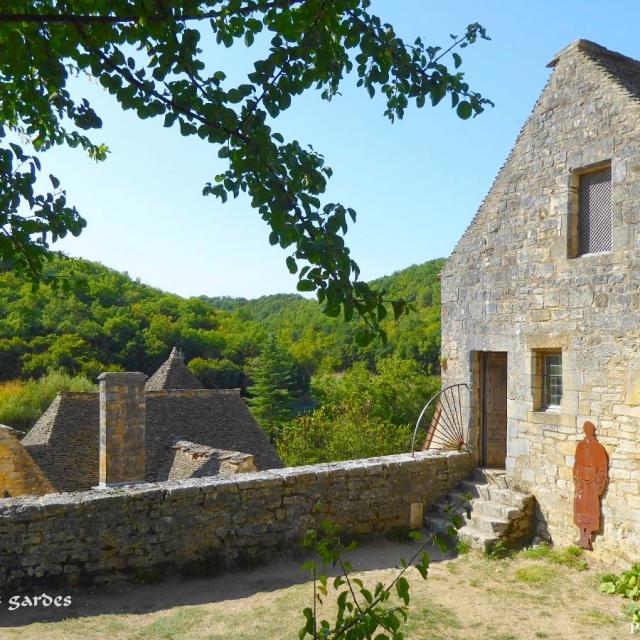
494 409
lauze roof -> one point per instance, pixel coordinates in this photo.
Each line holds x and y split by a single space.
65 441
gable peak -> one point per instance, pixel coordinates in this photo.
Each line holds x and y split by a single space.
588 46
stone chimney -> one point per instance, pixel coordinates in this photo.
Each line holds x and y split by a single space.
122 418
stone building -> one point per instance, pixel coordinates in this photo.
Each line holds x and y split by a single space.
541 297
170 428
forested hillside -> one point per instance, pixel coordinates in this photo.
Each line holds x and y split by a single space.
113 322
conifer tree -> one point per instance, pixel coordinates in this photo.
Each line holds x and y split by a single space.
270 394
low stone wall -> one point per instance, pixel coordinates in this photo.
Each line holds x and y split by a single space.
198 525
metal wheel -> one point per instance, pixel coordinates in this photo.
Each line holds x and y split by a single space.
446 429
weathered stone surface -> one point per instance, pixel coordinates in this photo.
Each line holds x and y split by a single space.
19 474
122 420
199 524
515 255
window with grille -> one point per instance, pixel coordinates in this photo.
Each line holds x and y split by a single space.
552 380
594 219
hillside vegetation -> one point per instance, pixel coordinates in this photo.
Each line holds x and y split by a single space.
316 393
112 322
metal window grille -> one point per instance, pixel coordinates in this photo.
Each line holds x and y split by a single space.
594 222
552 379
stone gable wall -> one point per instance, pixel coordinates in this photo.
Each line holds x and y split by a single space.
510 286
198 525
19 474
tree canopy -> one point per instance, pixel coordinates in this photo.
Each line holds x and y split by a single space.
153 57
113 322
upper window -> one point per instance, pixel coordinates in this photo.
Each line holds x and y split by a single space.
594 216
552 380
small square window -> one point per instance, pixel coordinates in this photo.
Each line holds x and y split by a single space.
552 380
594 217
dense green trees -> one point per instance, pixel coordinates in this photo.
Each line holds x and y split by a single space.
112 322
155 58
367 396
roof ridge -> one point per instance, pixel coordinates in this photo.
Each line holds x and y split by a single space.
589 46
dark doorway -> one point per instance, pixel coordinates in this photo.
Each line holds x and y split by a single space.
493 410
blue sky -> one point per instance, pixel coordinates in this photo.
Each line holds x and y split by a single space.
416 184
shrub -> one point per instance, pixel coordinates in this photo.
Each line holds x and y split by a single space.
627 584
326 436
499 551
22 403
217 374
363 414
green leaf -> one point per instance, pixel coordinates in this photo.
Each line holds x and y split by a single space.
305 285
464 110
291 265
402 588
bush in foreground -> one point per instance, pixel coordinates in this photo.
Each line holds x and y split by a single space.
22 403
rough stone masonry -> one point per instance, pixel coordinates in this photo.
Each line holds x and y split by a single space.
514 284
198 525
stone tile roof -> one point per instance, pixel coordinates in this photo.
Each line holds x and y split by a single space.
622 68
65 441
217 418
173 374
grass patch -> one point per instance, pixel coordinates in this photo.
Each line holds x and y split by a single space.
570 556
535 574
463 547
599 618
171 627
438 620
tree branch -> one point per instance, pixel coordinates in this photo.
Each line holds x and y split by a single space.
86 19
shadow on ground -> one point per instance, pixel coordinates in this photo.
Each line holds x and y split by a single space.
279 573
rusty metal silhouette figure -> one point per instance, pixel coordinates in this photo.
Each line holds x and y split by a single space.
590 475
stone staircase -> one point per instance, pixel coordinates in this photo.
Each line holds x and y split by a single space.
491 510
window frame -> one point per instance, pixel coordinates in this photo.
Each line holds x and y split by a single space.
574 248
539 385
547 394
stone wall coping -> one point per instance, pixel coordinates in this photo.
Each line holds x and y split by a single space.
190 393
22 507
79 395
122 375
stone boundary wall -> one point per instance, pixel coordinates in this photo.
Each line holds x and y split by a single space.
198 525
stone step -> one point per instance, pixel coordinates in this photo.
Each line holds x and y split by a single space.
508 497
477 539
494 509
493 477
487 524
475 489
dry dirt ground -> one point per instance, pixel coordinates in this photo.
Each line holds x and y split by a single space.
468 597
